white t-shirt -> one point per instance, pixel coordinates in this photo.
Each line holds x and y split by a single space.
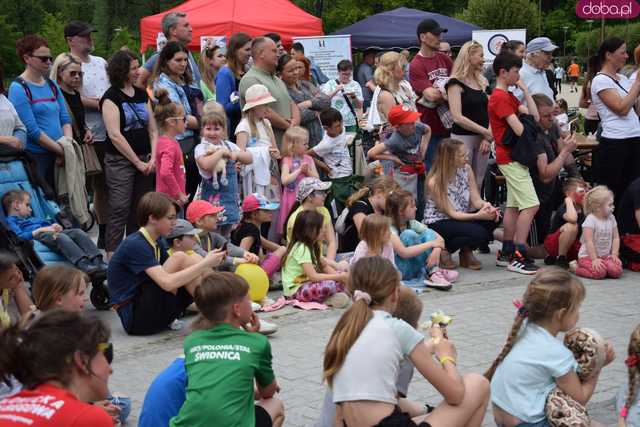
613 125
602 235
261 129
335 154
372 366
202 149
94 84
338 101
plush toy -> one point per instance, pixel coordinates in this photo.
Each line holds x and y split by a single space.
440 319
219 168
589 350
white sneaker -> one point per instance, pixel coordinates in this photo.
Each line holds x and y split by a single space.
255 306
267 328
176 325
338 300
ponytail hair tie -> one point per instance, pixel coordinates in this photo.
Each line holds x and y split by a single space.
522 312
624 412
632 361
362 295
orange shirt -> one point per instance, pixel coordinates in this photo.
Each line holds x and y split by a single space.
573 70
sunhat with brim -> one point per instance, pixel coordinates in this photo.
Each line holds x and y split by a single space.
257 95
308 185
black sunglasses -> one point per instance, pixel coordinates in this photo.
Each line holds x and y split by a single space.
43 58
76 73
107 349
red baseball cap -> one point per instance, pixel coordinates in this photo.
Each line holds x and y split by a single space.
199 208
401 114
255 201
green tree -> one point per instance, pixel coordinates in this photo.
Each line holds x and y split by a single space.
587 42
502 14
123 39
53 30
11 63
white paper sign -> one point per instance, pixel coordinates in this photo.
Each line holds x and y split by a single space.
327 51
492 40
161 41
210 41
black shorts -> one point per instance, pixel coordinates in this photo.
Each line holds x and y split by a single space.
572 79
154 308
400 419
263 419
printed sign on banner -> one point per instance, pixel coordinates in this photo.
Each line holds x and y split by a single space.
161 41
327 51
210 41
492 40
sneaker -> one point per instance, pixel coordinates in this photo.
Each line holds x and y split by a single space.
550 260
450 275
338 300
502 259
176 325
522 265
87 267
255 306
562 262
267 328
438 281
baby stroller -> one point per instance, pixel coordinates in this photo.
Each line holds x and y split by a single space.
17 171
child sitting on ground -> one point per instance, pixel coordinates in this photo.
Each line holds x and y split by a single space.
334 151
295 165
600 241
533 361
212 149
305 277
182 238
221 382
409 309
628 400
406 148
563 241
257 210
417 248
74 244
170 171
204 216
364 354
375 239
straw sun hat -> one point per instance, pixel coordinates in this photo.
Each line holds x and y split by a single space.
257 95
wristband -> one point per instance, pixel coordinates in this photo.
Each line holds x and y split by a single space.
446 359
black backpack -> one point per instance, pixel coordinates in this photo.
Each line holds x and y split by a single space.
27 91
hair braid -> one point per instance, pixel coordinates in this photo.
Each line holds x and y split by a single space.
511 339
634 378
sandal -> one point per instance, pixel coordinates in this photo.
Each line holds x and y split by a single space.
446 261
470 262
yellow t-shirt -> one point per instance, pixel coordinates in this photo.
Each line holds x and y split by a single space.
292 219
292 272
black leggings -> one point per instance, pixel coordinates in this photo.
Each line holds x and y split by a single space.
618 164
464 234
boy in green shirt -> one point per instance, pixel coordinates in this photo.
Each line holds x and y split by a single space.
224 358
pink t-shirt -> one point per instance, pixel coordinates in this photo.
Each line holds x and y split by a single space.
362 249
170 173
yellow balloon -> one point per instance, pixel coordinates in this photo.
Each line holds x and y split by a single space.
257 279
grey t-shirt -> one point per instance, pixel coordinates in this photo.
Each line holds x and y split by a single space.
364 73
406 147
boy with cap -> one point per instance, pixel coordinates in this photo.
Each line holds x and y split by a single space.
182 238
204 216
257 210
406 147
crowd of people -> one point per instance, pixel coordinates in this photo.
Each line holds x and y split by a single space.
248 156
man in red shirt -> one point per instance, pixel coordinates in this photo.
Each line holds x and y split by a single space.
522 202
427 73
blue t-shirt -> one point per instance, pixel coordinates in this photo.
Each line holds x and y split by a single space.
46 112
126 271
528 374
406 147
165 396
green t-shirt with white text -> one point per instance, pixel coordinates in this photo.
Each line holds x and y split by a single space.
222 364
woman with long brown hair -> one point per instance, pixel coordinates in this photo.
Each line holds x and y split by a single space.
210 63
455 209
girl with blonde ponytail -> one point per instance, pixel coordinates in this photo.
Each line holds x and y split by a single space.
363 356
628 402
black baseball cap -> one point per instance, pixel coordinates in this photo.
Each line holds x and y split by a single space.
430 26
78 28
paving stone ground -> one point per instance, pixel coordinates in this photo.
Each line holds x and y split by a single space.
481 303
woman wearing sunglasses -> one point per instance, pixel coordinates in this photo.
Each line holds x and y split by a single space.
63 361
67 72
40 104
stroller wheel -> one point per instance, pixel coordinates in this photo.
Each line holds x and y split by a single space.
89 224
99 295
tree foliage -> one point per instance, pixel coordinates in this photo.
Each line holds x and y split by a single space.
11 63
53 30
501 14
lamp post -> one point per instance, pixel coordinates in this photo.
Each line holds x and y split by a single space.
564 42
539 18
589 21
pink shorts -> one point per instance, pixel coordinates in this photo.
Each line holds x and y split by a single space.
270 264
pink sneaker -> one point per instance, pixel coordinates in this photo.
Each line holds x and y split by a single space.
438 281
450 275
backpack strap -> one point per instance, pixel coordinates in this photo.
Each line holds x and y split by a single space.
54 90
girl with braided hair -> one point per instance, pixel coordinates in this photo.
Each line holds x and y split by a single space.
628 402
533 361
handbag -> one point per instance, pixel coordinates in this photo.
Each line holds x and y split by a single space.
92 164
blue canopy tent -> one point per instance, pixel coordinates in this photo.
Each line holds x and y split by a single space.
396 29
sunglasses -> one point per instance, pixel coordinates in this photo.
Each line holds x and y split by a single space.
43 58
106 348
76 74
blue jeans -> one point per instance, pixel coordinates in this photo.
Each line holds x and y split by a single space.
432 150
74 244
414 268
543 423
45 163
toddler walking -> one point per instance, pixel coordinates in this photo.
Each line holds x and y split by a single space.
600 241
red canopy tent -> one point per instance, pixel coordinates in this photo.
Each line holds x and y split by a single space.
225 17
